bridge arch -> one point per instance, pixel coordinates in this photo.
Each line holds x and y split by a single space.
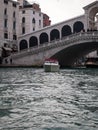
71 54
78 26
93 18
43 38
54 34
33 41
23 44
66 50
66 30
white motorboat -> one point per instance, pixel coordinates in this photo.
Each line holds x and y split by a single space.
51 65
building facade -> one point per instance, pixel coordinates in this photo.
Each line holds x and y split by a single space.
19 18
9 23
31 18
46 20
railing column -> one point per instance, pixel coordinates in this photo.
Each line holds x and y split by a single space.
28 45
18 46
38 41
60 35
49 38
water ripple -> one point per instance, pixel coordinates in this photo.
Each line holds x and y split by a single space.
31 99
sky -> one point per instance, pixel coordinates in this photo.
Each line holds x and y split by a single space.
60 10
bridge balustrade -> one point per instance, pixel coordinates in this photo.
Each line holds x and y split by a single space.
72 39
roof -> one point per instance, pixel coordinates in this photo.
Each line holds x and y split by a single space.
13 1
90 5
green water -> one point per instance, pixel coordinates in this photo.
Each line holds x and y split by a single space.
31 99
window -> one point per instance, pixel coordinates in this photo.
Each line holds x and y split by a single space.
5 12
23 30
33 29
5 1
39 14
39 22
33 20
5 23
6 35
23 11
14 4
14 14
23 20
14 25
14 37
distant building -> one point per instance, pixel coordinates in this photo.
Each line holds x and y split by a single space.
23 2
46 21
31 18
9 22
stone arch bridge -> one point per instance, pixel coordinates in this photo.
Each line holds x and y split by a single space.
66 41
86 22
67 50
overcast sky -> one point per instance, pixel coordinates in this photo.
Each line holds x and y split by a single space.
60 10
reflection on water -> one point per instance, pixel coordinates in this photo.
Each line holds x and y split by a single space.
31 99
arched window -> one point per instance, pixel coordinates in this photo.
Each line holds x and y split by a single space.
23 44
5 19
5 11
33 28
14 14
54 34
33 41
39 22
23 30
43 38
78 27
23 20
33 20
93 19
66 30
14 25
5 23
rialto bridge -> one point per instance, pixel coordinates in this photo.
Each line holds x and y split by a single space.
67 41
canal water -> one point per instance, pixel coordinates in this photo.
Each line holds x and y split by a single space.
31 99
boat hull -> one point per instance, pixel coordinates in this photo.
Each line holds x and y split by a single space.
51 68
91 65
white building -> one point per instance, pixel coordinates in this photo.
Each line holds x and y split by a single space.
9 14
18 17
30 17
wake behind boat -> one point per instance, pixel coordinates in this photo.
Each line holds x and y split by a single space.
51 65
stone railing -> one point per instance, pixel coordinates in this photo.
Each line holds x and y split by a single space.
72 39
